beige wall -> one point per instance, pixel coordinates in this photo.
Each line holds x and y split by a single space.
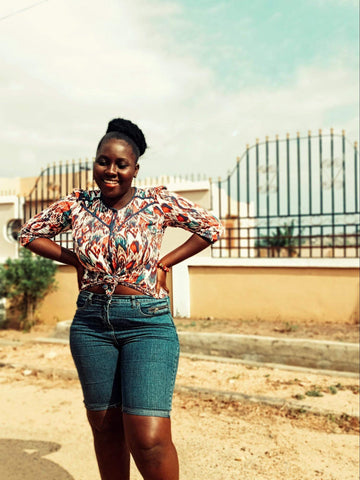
9 186
283 294
8 211
292 295
201 197
60 304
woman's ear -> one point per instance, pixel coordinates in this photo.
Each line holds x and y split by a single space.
137 166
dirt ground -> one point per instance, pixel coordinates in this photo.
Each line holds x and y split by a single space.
44 433
339 332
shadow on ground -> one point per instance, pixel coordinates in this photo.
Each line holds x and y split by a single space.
23 459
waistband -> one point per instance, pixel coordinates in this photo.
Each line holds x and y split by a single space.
124 299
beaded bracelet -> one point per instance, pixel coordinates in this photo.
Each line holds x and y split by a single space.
163 267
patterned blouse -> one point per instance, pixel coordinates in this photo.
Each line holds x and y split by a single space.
121 246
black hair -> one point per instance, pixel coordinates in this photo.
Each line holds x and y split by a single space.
122 129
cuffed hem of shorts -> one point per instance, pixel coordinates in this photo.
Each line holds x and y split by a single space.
97 407
146 412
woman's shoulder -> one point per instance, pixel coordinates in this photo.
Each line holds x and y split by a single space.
150 192
82 195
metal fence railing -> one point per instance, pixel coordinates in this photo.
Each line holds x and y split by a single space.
296 197
54 182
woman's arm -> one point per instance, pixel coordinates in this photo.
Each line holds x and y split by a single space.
192 246
37 233
45 247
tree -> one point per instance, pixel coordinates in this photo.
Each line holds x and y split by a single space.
283 237
26 281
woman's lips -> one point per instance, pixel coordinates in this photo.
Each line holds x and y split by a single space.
111 183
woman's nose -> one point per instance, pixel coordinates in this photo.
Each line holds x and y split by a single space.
111 168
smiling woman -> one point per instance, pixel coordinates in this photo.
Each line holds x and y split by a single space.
123 339
116 162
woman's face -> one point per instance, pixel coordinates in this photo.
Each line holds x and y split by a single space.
115 167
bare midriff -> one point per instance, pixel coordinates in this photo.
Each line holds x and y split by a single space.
119 290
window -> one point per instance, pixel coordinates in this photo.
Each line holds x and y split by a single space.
13 229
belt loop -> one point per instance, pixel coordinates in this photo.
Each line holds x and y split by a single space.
91 294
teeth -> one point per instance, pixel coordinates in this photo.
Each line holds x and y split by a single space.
112 182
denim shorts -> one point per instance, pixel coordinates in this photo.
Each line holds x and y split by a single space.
126 351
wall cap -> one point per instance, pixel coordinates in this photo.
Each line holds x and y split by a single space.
275 262
9 199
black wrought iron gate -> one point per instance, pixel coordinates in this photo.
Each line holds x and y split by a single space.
292 197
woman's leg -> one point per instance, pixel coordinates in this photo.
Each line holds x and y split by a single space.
112 453
150 443
96 356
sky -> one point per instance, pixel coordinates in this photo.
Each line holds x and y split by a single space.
202 79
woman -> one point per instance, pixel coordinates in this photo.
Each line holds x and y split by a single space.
123 338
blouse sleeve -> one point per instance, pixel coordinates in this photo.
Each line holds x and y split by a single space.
180 212
53 220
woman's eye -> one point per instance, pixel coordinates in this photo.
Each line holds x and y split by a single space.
101 161
104 162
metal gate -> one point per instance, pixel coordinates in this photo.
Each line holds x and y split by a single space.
296 197
54 182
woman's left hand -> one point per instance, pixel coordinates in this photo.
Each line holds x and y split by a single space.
161 281
193 245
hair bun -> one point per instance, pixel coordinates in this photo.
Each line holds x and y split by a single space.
129 129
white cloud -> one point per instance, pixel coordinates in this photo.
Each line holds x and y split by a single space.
208 138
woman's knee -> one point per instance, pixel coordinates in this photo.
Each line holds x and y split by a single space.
106 420
147 435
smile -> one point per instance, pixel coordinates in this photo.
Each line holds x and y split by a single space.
111 182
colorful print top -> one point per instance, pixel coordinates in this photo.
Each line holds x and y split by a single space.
121 246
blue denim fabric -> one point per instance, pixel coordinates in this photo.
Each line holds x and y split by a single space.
126 351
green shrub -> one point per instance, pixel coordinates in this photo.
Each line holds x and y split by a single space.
25 282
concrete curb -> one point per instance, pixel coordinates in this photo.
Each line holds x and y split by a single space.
274 366
227 396
317 354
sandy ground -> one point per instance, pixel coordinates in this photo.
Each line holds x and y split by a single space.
340 332
44 433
